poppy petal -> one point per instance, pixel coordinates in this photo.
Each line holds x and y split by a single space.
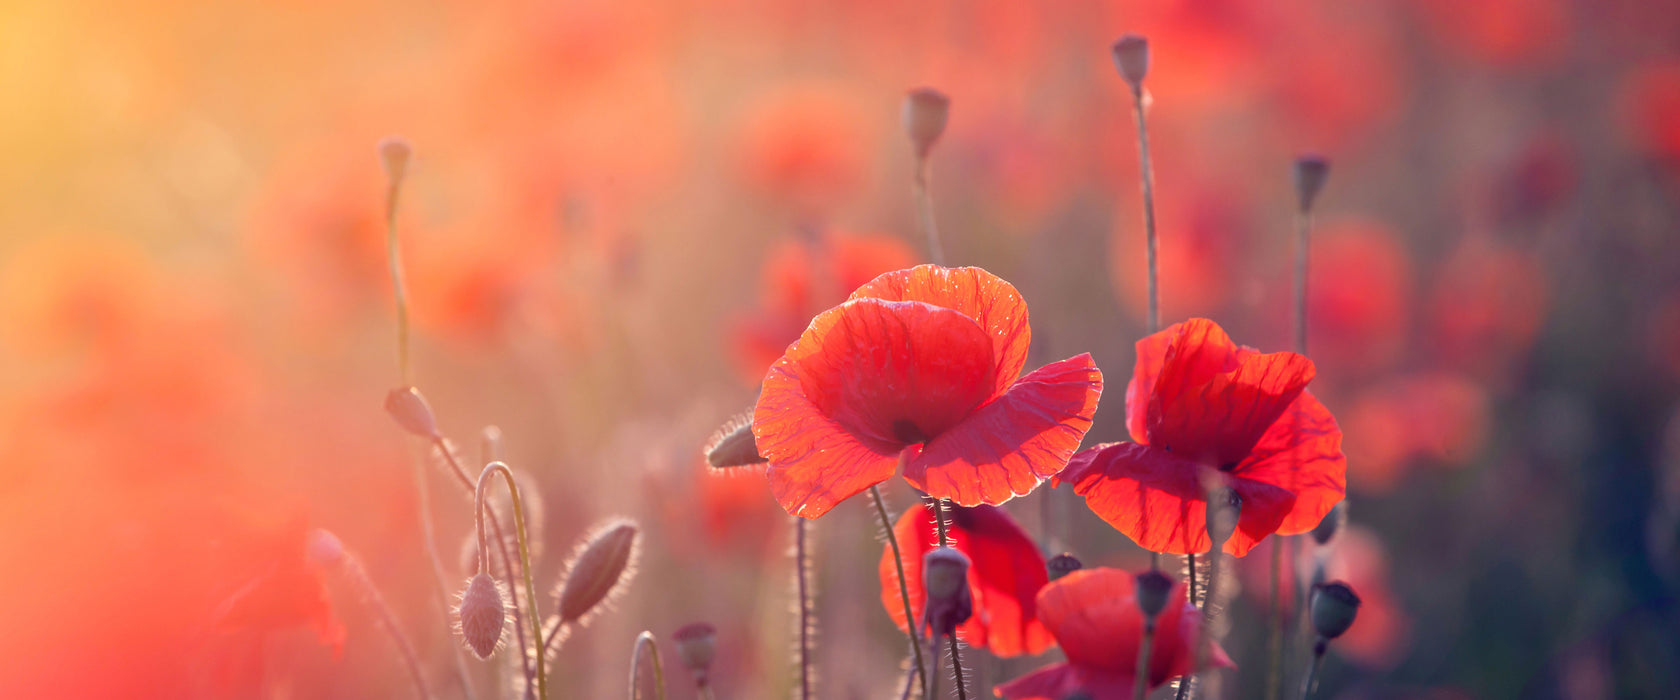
1151 354
1158 499
865 379
1093 614
1212 403
1008 446
1302 453
974 292
1176 633
1053 682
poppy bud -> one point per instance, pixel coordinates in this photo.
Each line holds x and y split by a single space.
696 644
1131 56
1062 565
412 412
925 112
482 615
1224 509
394 152
325 549
1310 174
945 580
1326 528
599 567
733 445
1153 587
1334 606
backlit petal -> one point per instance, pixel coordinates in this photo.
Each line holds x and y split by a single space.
976 293
1301 453
1212 403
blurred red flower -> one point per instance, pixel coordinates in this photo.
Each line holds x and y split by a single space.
285 589
1434 415
1358 304
1005 575
1204 412
1487 305
1094 615
1503 33
920 366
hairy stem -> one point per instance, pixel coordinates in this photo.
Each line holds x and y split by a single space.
957 669
1146 173
903 586
801 565
524 555
1308 686
506 557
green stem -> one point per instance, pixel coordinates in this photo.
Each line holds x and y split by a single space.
501 549
524 556
903 586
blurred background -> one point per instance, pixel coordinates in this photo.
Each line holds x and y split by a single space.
619 213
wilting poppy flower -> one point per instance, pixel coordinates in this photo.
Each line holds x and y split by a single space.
1204 411
1093 614
286 590
920 365
1004 576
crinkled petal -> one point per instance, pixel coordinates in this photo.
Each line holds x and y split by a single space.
1053 682
1010 445
1176 633
1093 614
1151 353
1301 453
976 293
1212 403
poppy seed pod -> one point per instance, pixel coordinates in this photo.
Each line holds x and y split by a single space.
1224 509
411 411
1131 56
483 613
1062 565
1153 588
696 644
1326 529
734 445
601 564
394 152
945 580
1310 174
925 113
1334 607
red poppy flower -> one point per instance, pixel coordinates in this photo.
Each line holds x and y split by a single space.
1204 411
287 590
1094 615
1004 575
924 358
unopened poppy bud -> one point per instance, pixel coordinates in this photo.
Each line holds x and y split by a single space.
925 113
733 445
696 644
1153 587
1224 509
600 567
1334 607
1310 174
394 153
1062 565
482 615
1131 56
1326 528
411 412
325 549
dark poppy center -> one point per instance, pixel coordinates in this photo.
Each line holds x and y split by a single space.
1228 466
907 432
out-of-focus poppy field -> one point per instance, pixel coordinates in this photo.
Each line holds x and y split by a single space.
295 296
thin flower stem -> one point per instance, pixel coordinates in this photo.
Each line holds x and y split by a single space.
1274 620
1210 600
1308 686
1190 563
903 586
1303 233
941 512
524 556
924 211
370 593
1140 684
554 636
507 559
957 669
646 642
424 488
910 678
939 516
1146 173
801 565
933 674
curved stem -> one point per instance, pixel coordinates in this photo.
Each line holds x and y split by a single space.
506 557
801 565
903 586
441 594
646 647
524 555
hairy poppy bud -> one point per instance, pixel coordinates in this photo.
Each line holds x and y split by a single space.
1334 606
394 152
325 549
1224 509
925 113
1333 520
482 615
1062 565
696 644
1310 174
1131 56
733 445
600 567
945 580
1153 587
412 412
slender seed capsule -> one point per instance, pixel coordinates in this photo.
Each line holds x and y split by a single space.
734 445
411 411
483 614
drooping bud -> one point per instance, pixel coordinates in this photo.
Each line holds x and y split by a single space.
483 613
945 580
601 566
1334 607
733 445
1131 56
925 113
1224 509
1153 588
394 153
325 549
1062 565
1332 522
1311 172
411 411
696 644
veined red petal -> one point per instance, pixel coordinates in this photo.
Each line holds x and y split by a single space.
1094 616
1301 453
1151 354
1159 499
1212 403
1062 680
1006 573
865 379
974 292
1008 446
